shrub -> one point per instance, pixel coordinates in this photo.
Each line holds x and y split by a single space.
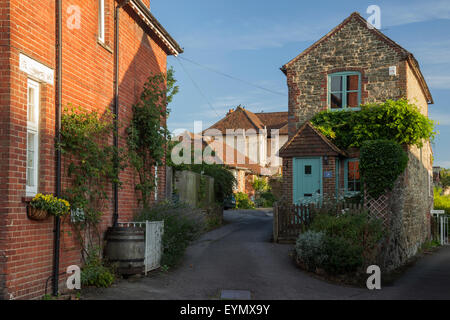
351 240
381 162
243 202
445 178
343 256
399 121
94 273
260 185
182 225
441 202
310 249
268 199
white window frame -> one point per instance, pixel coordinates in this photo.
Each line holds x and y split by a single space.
33 128
101 20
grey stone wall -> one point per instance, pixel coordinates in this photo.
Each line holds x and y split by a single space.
352 48
410 204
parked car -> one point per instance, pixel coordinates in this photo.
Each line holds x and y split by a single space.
229 203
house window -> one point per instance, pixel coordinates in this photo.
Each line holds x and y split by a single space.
32 169
352 177
101 20
344 90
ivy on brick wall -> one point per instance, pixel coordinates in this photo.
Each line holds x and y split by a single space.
147 133
381 162
86 144
399 121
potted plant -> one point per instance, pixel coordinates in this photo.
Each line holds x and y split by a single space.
43 205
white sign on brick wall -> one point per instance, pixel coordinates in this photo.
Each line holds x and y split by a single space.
36 69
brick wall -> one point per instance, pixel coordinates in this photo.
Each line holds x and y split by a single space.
5 97
26 247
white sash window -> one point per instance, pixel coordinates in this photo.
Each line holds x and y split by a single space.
32 166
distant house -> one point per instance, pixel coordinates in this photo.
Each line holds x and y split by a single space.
244 170
258 136
353 65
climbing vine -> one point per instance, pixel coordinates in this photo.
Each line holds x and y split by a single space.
147 133
86 144
381 162
399 121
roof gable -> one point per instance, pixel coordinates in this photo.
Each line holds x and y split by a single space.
309 142
403 53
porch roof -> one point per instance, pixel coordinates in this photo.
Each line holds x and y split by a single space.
308 141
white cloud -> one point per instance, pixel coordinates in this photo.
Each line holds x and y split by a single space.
442 119
438 82
257 35
395 15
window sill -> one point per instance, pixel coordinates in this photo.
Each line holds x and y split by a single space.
104 45
344 109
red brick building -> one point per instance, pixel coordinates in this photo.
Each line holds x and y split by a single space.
29 106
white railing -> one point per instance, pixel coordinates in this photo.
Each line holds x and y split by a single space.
154 231
442 229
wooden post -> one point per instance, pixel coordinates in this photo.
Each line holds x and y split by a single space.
275 223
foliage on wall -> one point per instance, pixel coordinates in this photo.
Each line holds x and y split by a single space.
86 144
147 133
381 162
400 121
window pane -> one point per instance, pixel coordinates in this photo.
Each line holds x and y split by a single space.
353 177
336 100
336 83
353 82
352 100
31 106
30 160
308 169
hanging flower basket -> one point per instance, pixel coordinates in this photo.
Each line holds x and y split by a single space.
36 214
44 205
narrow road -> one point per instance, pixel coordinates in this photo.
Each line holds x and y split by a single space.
240 256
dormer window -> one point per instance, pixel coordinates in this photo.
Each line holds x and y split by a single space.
344 90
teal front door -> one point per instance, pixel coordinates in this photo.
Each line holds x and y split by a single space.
307 176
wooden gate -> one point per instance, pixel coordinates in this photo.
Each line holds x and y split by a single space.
291 220
153 244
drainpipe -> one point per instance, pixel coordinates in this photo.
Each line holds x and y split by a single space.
57 228
116 103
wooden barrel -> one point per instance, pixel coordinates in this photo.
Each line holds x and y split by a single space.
125 247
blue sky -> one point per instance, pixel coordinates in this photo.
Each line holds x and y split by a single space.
251 39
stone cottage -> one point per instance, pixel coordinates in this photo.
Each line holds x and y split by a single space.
356 64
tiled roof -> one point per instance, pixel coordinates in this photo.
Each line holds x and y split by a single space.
242 118
404 54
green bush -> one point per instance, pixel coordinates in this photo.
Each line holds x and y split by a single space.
381 162
243 202
350 242
343 256
441 202
399 121
268 199
260 185
182 225
94 273
310 249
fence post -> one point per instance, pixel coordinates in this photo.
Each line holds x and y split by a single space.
275 223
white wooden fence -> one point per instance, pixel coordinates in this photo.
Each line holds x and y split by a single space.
153 244
154 231
442 229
